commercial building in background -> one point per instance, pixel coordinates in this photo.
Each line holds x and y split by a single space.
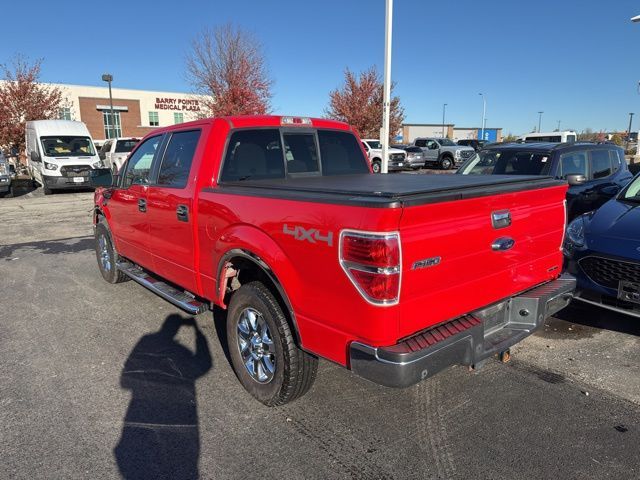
135 112
411 131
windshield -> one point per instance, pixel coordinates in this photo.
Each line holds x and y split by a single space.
633 191
374 144
507 162
67 146
124 146
446 142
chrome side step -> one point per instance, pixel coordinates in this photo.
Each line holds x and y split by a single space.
180 299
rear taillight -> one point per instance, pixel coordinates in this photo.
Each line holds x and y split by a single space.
372 261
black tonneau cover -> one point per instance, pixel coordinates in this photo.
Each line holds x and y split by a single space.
390 191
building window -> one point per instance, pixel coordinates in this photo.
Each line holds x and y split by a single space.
109 130
178 117
153 119
64 113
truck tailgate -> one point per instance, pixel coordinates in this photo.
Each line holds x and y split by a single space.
450 267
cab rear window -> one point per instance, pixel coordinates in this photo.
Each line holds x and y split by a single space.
269 153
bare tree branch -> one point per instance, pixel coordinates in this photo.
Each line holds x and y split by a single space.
226 66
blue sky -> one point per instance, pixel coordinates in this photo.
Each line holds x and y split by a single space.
577 61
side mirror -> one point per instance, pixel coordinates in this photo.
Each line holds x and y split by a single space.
35 156
100 177
576 179
12 169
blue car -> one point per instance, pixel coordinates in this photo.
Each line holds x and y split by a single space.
602 250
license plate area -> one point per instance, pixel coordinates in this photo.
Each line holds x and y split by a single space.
629 291
78 179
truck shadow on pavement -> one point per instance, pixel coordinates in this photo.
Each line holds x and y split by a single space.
48 247
599 318
160 433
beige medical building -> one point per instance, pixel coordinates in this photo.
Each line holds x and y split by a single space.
135 112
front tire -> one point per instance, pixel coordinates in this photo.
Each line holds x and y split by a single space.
46 190
262 348
376 166
446 163
107 256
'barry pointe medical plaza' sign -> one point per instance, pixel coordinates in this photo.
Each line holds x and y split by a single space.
168 103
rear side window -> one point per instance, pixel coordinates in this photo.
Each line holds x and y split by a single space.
508 162
341 153
421 143
600 163
616 158
573 163
253 154
176 163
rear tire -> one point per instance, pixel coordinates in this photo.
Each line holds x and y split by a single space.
107 255
263 352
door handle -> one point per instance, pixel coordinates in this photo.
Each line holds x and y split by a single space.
182 212
502 243
142 204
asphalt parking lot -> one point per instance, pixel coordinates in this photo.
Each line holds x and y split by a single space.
109 381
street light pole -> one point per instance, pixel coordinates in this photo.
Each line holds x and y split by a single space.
484 114
107 77
386 101
444 109
558 125
629 129
539 121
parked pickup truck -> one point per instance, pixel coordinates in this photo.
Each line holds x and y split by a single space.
114 151
280 221
442 152
397 157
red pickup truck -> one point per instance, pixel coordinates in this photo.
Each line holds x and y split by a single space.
280 221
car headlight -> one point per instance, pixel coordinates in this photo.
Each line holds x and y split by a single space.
98 164
50 166
575 233
457 153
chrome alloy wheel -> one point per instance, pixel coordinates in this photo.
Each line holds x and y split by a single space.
256 346
105 256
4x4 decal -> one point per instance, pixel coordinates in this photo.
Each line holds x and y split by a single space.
311 235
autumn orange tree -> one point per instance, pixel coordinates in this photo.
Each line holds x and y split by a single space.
359 103
23 98
226 66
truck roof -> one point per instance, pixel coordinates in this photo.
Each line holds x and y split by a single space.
248 121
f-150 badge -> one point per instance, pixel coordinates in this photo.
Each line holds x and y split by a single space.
311 235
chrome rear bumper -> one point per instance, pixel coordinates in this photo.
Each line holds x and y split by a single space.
464 341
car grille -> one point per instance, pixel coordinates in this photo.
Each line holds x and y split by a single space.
466 153
397 156
75 170
608 272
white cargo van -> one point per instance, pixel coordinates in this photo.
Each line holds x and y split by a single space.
60 154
